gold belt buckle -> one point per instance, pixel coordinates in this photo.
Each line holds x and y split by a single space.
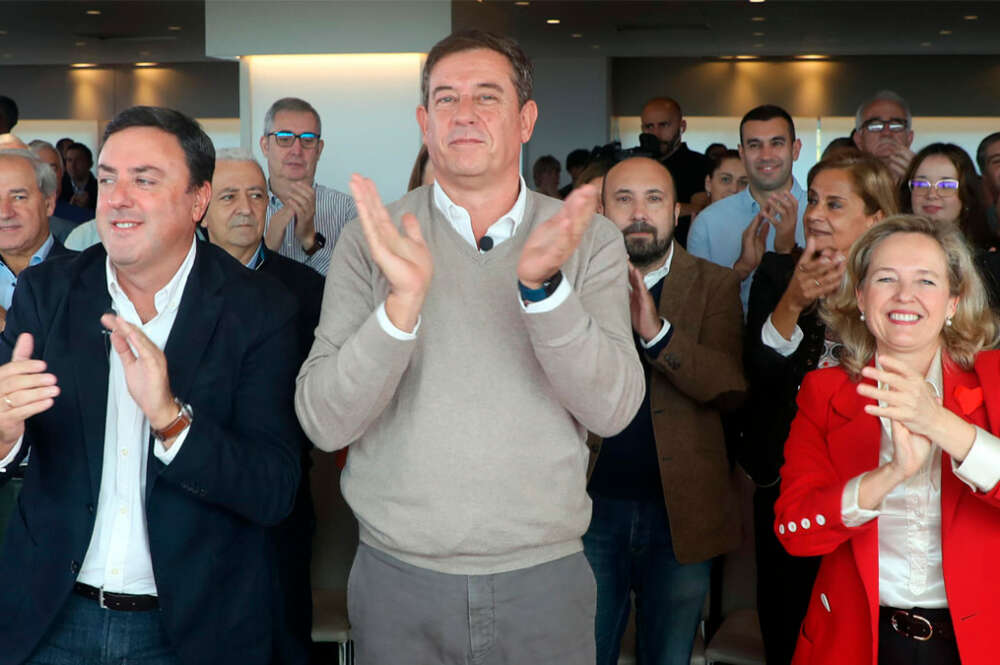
894 620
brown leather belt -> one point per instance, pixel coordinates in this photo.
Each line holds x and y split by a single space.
121 602
920 624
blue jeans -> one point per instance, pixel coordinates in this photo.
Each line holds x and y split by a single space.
629 548
85 634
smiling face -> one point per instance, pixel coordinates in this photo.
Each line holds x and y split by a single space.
146 206
935 203
906 296
472 125
236 216
294 163
768 152
730 178
639 198
24 210
835 214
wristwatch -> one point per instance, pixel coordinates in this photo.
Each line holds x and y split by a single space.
184 418
319 242
547 288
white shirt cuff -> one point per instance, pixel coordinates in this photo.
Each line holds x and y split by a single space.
11 455
391 329
980 469
167 456
557 298
664 329
850 512
770 336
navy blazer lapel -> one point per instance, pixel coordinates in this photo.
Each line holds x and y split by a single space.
90 348
197 318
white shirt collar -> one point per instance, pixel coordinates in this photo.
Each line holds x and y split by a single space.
502 229
167 298
653 276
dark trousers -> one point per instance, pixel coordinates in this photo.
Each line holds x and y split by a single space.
784 582
629 548
896 649
291 542
83 633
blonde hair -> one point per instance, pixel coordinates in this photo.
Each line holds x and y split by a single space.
974 326
870 180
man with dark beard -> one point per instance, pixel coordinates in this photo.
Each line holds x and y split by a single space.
671 459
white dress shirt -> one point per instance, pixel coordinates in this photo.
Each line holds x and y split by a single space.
909 527
118 557
499 231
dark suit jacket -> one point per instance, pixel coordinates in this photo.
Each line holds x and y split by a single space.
306 285
233 360
91 187
774 379
696 374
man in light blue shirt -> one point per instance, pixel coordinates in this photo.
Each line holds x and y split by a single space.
27 198
736 231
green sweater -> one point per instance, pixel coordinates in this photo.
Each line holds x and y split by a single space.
468 447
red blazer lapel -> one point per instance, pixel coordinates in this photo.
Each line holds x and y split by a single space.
963 395
854 449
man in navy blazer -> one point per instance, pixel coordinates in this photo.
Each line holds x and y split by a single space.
154 394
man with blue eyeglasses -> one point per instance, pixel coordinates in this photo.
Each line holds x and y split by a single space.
304 219
883 127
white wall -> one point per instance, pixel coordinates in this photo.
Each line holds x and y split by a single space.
367 104
573 108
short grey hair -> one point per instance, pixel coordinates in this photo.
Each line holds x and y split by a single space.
290 104
883 96
237 155
44 175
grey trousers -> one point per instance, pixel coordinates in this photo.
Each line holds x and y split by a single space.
405 615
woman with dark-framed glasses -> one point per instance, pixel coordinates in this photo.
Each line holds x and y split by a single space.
942 184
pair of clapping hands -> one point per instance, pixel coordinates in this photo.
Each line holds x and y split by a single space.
27 389
781 211
405 260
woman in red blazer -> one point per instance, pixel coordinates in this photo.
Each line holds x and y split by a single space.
892 467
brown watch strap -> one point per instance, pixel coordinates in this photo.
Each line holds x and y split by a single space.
177 425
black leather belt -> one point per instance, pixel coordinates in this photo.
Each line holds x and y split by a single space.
920 624
122 602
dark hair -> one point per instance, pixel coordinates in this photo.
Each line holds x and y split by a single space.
8 113
199 153
765 113
983 147
839 145
85 150
419 166
64 139
469 40
544 164
715 149
578 158
721 157
972 220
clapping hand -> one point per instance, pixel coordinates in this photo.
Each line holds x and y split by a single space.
754 244
26 389
403 257
646 321
782 211
817 274
552 242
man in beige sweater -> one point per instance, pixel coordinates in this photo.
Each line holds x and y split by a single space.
472 333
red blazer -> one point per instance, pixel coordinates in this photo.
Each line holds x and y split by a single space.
832 440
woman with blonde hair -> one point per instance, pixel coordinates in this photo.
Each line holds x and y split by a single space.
892 464
785 339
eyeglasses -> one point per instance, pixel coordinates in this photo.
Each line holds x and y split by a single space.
944 187
285 139
876 125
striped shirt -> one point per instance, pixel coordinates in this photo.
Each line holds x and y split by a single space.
333 210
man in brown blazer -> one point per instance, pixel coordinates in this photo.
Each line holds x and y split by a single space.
663 502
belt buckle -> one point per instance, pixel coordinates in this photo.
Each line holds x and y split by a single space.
905 630
100 598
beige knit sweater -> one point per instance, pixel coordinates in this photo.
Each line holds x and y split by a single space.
467 444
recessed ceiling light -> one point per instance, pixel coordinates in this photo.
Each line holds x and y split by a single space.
522 4
146 64
812 56
756 2
595 46
79 43
758 19
145 53
93 12
925 43
758 34
82 65
971 17
944 32
577 35
758 46
746 57
552 21
175 28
